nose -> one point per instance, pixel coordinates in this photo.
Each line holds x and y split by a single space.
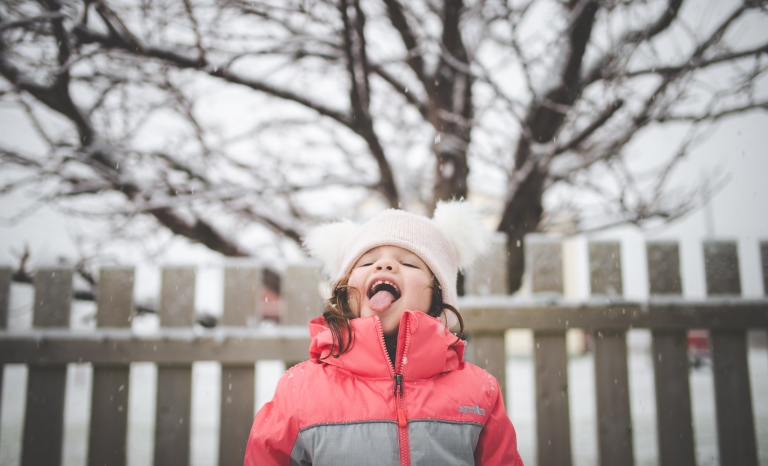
385 264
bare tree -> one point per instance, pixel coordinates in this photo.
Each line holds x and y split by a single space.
221 119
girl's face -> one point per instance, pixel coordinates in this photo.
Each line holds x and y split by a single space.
390 280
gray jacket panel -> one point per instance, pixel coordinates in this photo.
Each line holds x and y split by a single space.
356 443
432 443
437 443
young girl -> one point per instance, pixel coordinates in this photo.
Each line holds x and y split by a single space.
386 383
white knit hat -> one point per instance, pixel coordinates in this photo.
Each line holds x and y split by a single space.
449 241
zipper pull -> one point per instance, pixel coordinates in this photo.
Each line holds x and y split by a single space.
398 384
401 420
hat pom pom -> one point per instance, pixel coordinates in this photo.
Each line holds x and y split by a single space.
328 243
459 221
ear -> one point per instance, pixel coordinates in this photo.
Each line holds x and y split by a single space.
328 242
461 224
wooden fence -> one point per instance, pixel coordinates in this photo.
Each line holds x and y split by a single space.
112 346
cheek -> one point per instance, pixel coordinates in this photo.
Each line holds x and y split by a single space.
354 296
355 280
423 297
426 299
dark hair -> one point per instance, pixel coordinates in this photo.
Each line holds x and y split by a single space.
338 313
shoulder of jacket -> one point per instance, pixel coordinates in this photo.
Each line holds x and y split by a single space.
299 372
473 372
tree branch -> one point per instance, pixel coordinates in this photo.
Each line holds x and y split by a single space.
717 115
603 67
402 89
697 62
598 122
359 92
89 36
414 59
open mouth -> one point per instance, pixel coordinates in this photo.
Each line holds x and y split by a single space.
382 294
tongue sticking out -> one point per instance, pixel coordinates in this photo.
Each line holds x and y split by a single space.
381 301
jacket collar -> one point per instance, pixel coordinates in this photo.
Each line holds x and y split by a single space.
425 347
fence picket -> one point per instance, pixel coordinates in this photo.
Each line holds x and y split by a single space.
489 353
300 297
545 261
721 268
614 423
553 428
764 265
673 399
489 277
735 423
109 398
663 258
605 268
242 294
670 364
5 292
44 416
237 410
172 428
174 381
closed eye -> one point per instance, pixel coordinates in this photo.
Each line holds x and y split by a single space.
411 266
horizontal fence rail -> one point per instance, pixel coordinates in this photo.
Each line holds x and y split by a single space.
237 344
167 346
483 315
494 314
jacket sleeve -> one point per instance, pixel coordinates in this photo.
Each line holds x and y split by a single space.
274 430
498 441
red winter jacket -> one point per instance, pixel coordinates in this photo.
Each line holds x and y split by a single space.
432 408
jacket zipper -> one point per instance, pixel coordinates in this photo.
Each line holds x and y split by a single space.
402 421
397 377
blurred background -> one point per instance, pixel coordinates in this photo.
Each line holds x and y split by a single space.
207 133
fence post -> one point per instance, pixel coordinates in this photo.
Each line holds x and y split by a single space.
242 296
612 390
663 258
670 363
487 276
544 260
553 427
109 398
721 267
5 291
733 400
44 417
614 421
174 381
300 297
764 264
605 268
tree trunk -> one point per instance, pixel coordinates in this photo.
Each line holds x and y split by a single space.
523 208
522 214
451 110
